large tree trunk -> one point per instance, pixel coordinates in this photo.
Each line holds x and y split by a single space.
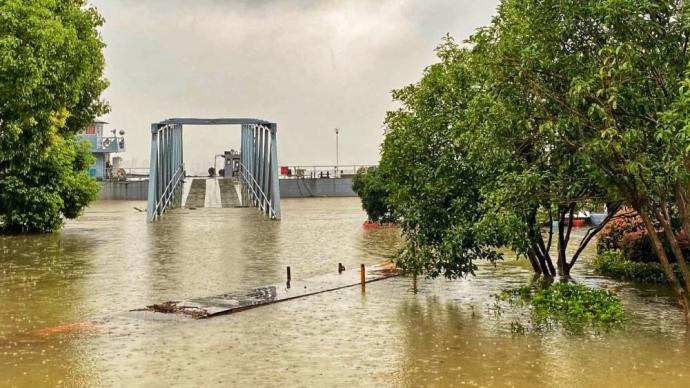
564 238
612 209
683 210
536 267
681 293
560 246
537 246
665 220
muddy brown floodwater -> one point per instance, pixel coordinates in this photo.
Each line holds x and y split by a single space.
110 261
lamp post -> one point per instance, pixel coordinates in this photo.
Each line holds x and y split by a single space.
337 149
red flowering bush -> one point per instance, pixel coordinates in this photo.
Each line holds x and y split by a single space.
626 221
627 233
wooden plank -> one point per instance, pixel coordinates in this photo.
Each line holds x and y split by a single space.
232 302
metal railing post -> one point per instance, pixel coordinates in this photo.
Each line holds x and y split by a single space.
153 173
275 184
266 164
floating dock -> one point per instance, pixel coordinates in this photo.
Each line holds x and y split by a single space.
232 302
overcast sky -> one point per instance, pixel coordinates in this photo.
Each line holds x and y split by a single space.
310 66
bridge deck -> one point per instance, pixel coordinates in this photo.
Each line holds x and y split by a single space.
242 300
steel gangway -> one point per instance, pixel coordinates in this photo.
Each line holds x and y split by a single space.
258 167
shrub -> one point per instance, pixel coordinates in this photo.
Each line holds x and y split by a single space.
370 186
637 246
574 306
624 222
614 264
627 233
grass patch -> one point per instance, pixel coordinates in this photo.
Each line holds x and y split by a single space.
572 306
613 264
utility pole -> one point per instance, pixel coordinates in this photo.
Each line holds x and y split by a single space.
337 150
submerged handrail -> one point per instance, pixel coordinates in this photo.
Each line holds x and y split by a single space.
254 187
169 192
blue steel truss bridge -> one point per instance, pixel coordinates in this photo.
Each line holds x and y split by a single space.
258 176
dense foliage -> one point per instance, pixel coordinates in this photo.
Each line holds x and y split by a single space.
573 306
614 76
435 190
471 168
625 223
51 77
614 264
370 186
627 233
553 107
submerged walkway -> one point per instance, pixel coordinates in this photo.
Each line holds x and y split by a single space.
210 192
210 306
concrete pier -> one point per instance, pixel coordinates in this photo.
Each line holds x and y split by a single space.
126 191
315 187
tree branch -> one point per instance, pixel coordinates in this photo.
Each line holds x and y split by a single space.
593 231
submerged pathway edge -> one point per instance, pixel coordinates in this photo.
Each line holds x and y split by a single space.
210 306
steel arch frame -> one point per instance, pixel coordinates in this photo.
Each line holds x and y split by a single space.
259 164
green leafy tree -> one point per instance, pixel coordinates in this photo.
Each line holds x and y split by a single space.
51 79
614 73
435 189
554 106
470 170
370 185
538 176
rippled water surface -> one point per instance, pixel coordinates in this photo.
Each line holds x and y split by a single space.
447 334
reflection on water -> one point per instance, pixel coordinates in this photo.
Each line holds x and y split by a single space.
447 334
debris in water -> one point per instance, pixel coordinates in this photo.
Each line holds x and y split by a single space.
173 307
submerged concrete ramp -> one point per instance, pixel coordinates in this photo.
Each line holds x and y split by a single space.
211 192
210 306
197 194
228 192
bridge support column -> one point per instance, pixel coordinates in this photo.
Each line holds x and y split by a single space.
260 167
265 163
153 175
275 186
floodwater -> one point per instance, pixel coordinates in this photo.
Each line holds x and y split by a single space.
447 334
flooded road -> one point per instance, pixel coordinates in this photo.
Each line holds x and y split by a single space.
448 334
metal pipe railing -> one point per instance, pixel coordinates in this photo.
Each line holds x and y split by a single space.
262 204
322 171
169 192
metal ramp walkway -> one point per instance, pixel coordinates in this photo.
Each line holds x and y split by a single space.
258 178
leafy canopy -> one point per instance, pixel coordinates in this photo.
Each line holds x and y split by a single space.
51 77
370 186
555 106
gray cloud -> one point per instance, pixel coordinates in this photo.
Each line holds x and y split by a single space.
308 65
